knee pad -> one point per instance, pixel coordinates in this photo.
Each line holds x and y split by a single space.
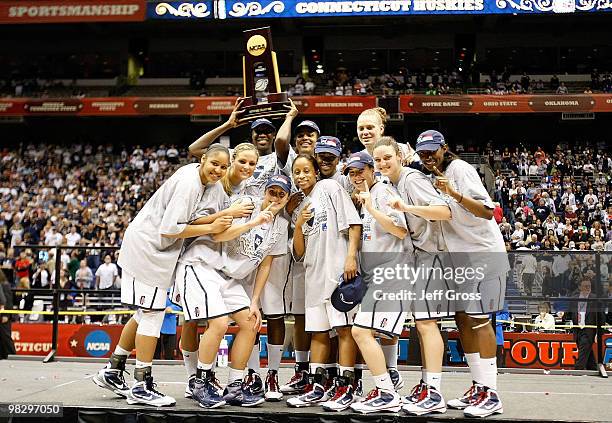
137 315
150 323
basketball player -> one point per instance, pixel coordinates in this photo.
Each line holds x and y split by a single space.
383 241
474 232
326 237
212 287
424 208
148 257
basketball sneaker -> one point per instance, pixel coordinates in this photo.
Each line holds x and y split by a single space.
378 400
429 401
486 404
297 384
273 392
469 397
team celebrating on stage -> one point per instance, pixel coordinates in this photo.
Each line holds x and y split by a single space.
274 228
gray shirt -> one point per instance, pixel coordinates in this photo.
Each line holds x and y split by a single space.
145 253
203 249
267 166
326 238
242 255
468 233
416 189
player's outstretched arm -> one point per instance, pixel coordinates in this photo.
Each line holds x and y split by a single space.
199 146
283 136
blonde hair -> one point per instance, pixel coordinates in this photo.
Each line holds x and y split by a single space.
378 112
225 181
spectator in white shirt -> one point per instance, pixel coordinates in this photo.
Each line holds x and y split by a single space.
53 238
544 320
106 274
73 237
589 196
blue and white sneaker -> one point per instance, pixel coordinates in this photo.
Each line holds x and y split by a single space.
190 386
342 399
240 394
414 393
379 400
144 392
297 384
396 378
429 401
313 395
254 382
113 380
488 403
470 397
206 394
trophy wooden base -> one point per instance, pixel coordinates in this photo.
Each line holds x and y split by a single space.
273 108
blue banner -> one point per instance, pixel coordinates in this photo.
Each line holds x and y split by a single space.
232 9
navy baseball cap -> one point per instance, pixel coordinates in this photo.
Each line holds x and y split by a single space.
327 144
262 122
308 124
348 294
358 161
280 181
430 141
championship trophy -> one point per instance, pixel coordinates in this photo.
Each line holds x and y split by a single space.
262 96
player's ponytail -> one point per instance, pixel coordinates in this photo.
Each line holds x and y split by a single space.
378 113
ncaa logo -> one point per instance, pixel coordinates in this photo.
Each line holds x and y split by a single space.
197 311
97 343
142 300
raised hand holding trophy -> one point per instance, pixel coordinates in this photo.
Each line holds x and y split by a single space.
262 96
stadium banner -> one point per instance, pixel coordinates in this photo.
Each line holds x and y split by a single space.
311 105
179 106
232 9
59 11
522 350
583 103
181 10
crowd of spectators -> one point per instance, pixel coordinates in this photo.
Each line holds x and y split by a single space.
554 200
502 84
402 81
81 195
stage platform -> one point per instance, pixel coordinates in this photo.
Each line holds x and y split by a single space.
526 397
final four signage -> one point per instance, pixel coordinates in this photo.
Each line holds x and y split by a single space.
231 9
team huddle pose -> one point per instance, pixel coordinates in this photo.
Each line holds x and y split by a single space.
272 228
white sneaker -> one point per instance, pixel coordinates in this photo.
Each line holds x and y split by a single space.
112 379
144 392
429 401
273 392
470 397
314 395
342 399
378 400
488 403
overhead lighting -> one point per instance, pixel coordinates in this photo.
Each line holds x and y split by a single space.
319 71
